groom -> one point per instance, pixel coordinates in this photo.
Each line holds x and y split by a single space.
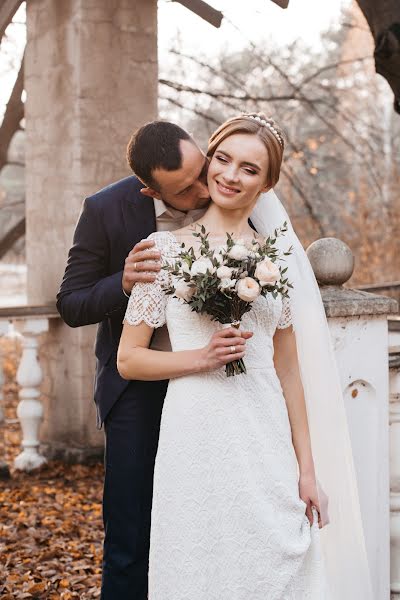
169 191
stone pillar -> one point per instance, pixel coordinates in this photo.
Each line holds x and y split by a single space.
91 79
359 330
394 429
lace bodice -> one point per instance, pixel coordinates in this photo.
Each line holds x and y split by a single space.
149 303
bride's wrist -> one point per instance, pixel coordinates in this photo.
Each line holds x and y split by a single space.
306 468
200 362
307 476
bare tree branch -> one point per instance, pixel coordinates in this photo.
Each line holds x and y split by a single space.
12 237
203 10
180 87
194 111
335 65
230 78
8 8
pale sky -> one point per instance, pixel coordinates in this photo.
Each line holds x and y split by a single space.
256 20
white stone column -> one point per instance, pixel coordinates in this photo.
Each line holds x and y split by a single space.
359 329
30 409
394 422
91 79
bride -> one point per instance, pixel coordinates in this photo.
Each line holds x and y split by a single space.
237 511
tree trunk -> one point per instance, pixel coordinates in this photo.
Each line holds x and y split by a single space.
383 19
12 116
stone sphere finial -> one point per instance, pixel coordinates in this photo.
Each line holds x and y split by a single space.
332 261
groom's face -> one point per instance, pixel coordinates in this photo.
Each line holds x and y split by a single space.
185 188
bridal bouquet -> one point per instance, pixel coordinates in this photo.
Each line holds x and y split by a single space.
224 282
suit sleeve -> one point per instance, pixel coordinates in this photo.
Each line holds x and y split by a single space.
87 294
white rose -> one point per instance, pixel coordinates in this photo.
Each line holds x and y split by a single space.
219 253
238 252
226 283
267 272
184 291
248 289
201 265
185 267
224 272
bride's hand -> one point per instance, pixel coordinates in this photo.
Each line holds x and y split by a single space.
312 494
224 347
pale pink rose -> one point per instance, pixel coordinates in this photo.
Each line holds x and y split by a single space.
267 272
224 272
248 289
184 291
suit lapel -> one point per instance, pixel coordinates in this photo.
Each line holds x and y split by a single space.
139 217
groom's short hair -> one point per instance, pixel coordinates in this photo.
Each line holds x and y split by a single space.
155 145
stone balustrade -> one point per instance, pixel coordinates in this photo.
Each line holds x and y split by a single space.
358 324
394 433
29 322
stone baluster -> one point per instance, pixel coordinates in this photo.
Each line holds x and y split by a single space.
358 326
29 377
4 470
394 433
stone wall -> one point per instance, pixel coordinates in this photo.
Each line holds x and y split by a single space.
91 79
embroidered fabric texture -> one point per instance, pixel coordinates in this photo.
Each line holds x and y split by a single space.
227 520
148 301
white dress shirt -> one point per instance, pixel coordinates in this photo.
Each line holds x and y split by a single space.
170 219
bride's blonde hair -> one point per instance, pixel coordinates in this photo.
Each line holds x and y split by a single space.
261 126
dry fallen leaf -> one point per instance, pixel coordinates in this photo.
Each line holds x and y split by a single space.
51 530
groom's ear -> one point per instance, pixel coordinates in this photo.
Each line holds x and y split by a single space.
151 193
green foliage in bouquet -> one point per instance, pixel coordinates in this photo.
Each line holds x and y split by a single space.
223 282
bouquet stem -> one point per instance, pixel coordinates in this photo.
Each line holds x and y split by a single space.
236 367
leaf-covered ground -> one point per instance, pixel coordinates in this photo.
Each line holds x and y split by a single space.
50 520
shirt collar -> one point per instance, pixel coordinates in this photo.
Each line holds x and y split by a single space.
159 207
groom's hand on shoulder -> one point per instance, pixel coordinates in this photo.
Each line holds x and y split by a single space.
141 265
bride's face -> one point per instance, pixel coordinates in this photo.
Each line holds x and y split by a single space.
238 171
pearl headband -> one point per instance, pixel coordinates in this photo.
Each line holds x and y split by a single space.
270 127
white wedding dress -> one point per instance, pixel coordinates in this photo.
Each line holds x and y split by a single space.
227 519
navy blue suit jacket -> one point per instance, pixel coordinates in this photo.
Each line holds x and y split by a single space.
112 221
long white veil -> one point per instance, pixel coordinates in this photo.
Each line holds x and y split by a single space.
344 550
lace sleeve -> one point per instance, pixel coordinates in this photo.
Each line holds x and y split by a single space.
148 301
286 316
